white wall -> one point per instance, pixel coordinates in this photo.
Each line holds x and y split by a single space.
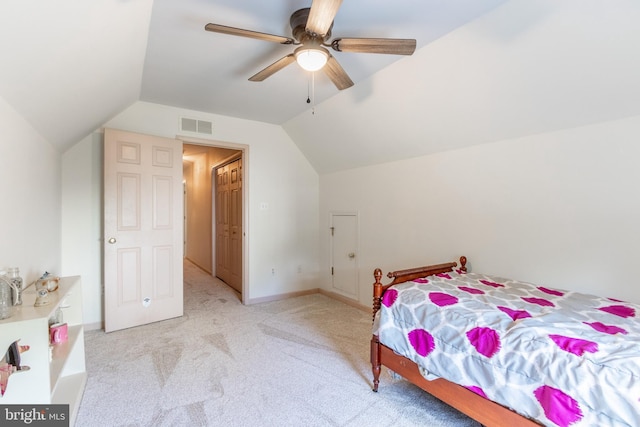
30 198
559 209
82 221
280 238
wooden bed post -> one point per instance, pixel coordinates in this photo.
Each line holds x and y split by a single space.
375 343
377 291
376 367
463 263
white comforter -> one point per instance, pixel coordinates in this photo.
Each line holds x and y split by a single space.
561 358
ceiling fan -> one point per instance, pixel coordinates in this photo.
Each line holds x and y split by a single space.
311 28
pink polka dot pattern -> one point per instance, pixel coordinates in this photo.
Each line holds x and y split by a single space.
515 314
444 276
441 299
471 290
540 301
389 297
607 329
574 345
492 284
421 341
485 340
619 310
551 291
477 390
421 280
559 407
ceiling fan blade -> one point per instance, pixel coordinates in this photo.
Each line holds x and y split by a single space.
336 73
216 28
321 16
390 46
273 68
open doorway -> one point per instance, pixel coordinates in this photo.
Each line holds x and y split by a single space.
204 204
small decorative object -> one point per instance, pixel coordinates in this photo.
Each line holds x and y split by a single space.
6 306
58 333
42 297
13 275
56 317
48 282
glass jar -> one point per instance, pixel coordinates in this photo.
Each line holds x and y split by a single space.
14 276
6 305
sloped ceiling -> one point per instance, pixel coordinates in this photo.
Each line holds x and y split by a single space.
485 70
527 67
67 66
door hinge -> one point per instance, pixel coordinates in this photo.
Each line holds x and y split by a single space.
332 228
332 271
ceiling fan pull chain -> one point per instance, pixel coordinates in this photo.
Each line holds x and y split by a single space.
313 92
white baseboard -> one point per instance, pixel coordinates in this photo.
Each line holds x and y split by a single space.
345 300
93 326
281 296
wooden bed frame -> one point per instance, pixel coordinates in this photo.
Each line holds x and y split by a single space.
486 412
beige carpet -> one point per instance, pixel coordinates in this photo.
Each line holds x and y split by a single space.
298 362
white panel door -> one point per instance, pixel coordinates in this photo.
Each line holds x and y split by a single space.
228 234
344 254
143 228
235 225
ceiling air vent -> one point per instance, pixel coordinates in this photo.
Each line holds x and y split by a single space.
198 126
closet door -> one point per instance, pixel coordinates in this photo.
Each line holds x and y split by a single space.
235 223
229 224
222 223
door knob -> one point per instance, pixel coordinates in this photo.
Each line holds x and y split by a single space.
351 255
112 240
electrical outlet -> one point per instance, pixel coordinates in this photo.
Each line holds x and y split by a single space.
273 271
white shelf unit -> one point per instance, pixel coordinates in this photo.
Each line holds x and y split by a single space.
58 372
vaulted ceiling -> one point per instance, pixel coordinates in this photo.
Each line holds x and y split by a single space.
484 70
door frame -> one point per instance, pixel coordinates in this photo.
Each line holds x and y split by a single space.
245 204
356 214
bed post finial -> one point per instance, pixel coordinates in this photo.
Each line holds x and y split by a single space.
463 263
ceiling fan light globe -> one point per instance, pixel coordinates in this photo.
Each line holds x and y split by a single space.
311 59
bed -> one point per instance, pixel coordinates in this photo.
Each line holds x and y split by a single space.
509 353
